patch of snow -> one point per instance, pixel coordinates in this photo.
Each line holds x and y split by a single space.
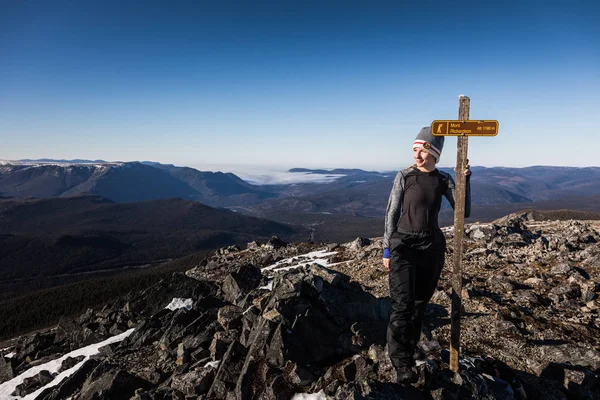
306 396
8 387
178 303
213 364
248 309
301 260
314 257
268 286
10 355
89 165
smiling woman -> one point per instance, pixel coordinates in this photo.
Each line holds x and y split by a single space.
414 246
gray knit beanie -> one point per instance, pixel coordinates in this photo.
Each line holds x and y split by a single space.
433 144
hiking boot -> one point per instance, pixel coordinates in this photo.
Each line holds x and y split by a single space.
406 375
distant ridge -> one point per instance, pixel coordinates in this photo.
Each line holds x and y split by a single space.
58 236
125 182
50 160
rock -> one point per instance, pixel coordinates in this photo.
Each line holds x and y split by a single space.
275 243
182 355
346 371
33 383
228 372
328 276
227 250
561 269
237 284
6 369
277 389
221 342
358 244
230 317
275 353
71 384
298 375
383 364
70 362
108 381
195 382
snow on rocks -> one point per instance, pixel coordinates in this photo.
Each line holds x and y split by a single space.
7 388
177 303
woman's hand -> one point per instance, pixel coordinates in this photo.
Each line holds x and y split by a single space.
386 264
467 170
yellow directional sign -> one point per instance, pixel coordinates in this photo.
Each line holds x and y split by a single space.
464 128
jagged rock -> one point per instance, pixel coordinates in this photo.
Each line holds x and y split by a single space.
227 250
194 382
383 364
65 329
164 393
229 371
277 389
253 245
108 381
70 362
298 375
359 243
109 349
481 232
230 317
275 243
221 342
6 369
237 284
73 383
331 277
182 354
562 268
33 383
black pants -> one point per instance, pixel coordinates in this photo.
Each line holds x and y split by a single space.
413 277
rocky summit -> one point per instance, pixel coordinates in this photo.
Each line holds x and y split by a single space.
281 321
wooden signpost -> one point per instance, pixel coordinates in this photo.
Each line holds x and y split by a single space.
463 128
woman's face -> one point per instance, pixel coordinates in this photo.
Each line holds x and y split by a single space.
423 159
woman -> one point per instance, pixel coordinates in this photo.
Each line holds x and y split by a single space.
414 246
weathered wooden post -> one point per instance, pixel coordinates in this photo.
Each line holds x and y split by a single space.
462 147
463 128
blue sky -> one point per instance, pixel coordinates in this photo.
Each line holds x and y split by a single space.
306 84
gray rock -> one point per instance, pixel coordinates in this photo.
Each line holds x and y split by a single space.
70 362
195 382
33 383
230 317
108 381
358 244
229 371
6 369
275 243
221 342
562 268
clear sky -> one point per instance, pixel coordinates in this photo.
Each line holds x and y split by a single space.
297 83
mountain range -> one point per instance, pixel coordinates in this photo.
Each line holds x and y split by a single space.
354 192
73 217
125 182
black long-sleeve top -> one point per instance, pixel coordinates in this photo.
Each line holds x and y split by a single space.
415 202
